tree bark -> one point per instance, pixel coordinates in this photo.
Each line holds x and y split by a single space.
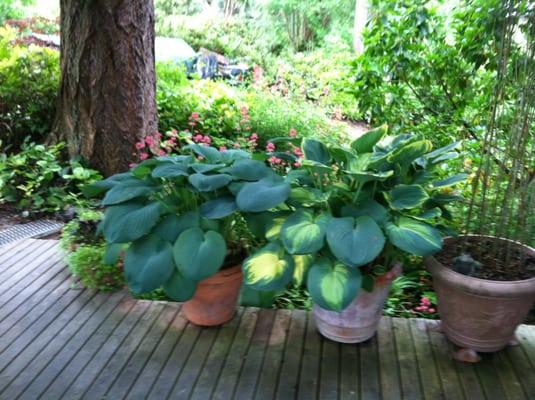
361 17
107 91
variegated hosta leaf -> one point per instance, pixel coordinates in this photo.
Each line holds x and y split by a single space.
333 286
414 237
403 197
303 232
270 268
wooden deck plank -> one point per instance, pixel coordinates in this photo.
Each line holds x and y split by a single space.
291 363
176 361
207 380
369 370
29 304
151 370
329 370
388 364
442 351
70 348
58 342
427 369
267 384
25 373
310 365
12 283
18 341
231 369
407 361
102 355
114 367
252 367
137 361
349 372
72 370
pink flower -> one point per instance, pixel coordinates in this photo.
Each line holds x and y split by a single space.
244 110
198 138
207 139
140 145
158 135
270 147
149 140
297 164
425 301
293 132
431 310
298 152
162 153
195 115
143 156
200 158
132 165
237 145
223 148
253 137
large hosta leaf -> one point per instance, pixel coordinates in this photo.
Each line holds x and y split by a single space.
303 232
315 150
369 208
210 154
170 170
219 208
303 262
414 237
410 152
198 254
262 195
452 180
270 268
95 188
403 197
307 197
173 225
128 189
248 170
129 221
208 183
333 286
179 288
204 168
355 241
365 143
148 264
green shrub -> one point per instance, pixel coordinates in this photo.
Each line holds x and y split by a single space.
86 263
35 179
29 84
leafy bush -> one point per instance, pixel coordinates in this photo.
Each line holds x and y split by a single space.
12 8
85 253
35 179
29 81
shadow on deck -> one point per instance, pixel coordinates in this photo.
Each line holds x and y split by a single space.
59 342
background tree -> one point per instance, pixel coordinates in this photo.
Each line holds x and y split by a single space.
107 90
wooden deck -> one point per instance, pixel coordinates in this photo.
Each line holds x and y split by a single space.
59 342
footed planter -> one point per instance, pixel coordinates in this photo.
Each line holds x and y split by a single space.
215 299
358 322
480 314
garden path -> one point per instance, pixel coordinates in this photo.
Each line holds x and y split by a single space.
59 341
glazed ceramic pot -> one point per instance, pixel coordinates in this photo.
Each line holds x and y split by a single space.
481 314
215 299
358 322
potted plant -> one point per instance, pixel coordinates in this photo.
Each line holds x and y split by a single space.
485 279
179 220
352 213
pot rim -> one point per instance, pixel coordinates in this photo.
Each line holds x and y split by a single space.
480 285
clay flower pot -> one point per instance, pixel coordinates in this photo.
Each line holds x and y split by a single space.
358 322
480 314
215 299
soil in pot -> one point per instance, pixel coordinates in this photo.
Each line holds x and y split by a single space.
492 258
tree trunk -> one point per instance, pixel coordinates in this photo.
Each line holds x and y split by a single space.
361 17
107 92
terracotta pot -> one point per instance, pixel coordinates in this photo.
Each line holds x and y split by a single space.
358 322
480 314
215 299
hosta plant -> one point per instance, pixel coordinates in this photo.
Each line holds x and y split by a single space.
352 211
179 218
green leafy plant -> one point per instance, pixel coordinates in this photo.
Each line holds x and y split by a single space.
351 213
180 216
35 179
